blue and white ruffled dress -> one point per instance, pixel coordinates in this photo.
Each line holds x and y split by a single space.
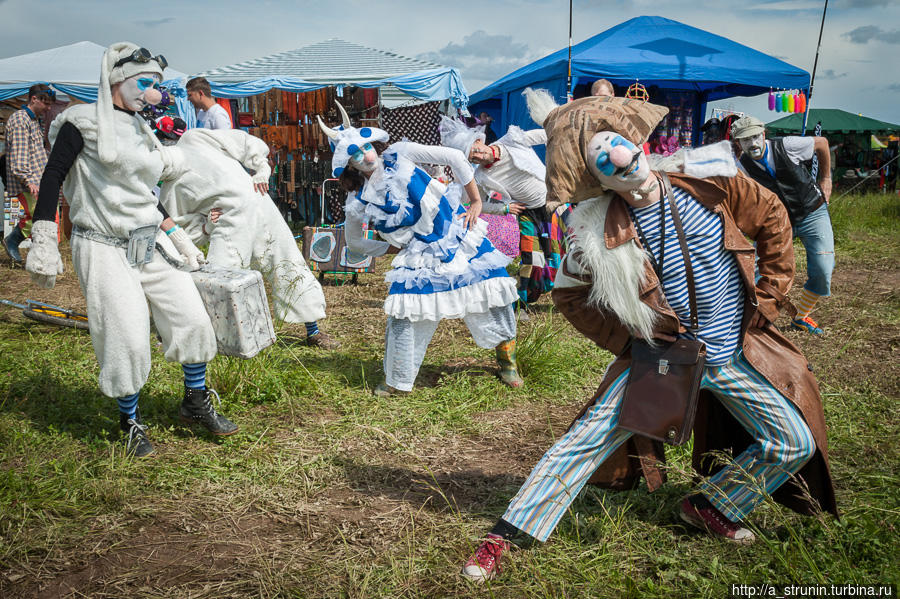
443 270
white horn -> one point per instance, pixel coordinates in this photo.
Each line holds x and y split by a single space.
344 115
331 133
540 104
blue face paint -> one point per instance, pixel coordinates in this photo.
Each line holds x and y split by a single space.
360 154
604 165
145 83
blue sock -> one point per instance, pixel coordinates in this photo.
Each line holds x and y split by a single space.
194 375
312 328
128 405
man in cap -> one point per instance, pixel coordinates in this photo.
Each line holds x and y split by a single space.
26 159
781 165
757 398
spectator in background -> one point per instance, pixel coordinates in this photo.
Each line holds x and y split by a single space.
209 114
486 120
781 165
26 159
602 87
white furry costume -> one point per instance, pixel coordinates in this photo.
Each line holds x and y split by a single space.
109 192
208 172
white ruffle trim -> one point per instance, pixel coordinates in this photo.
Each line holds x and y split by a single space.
455 303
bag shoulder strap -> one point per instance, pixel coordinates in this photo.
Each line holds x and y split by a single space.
689 271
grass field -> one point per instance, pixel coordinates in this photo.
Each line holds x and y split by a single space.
330 492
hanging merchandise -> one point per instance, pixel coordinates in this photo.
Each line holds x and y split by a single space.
802 102
778 104
771 100
784 102
791 104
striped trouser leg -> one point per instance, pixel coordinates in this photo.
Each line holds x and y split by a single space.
560 475
783 442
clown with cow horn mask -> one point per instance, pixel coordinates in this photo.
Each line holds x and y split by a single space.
352 146
445 266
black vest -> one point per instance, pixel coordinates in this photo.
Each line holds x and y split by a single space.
793 183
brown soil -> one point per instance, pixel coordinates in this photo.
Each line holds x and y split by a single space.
203 547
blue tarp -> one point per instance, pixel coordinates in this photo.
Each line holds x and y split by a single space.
652 50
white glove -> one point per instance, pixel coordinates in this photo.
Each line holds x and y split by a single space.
44 261
191 254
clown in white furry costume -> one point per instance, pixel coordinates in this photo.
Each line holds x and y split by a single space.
446 267
110 161
210 195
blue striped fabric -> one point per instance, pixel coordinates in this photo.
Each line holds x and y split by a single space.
194 375
128 405
782 444
720 291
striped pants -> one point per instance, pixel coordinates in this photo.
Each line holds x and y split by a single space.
783 444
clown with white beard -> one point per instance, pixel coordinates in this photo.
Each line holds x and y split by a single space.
209 194
110 161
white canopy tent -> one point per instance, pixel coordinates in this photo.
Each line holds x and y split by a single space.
73 70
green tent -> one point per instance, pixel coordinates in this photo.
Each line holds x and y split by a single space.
833 121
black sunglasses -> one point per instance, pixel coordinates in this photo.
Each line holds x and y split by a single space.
143 55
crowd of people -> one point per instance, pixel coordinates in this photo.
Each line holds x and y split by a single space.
697 247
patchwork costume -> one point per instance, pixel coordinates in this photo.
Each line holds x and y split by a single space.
208 171
758 400
443 269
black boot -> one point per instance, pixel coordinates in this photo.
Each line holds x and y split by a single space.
11 245
136 442
197 409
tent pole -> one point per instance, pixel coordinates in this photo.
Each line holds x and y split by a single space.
569 76
812 80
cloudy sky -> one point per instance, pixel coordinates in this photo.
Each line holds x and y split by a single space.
858 67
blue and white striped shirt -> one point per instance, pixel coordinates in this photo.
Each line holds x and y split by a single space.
720 292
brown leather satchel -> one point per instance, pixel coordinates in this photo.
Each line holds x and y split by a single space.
663 385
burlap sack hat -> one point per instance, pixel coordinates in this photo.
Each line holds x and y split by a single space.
569 130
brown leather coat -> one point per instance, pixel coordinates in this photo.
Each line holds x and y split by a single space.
749 213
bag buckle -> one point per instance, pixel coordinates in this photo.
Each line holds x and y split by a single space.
663 367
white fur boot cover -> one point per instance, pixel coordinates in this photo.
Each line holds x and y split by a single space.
44 261
617 273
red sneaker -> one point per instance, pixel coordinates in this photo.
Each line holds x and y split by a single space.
485 564
697 511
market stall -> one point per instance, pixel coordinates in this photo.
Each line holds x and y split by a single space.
278 97
864 150
681 66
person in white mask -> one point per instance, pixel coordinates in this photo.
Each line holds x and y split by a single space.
110 161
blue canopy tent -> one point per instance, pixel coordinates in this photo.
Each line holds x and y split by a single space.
73 70
654 51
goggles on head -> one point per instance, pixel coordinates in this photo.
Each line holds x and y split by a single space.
143 55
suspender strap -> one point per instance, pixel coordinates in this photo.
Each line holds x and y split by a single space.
688 269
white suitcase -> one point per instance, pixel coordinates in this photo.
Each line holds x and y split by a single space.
236 302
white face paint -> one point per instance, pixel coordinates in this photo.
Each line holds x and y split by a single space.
754 146
137 92
366 159
616 162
